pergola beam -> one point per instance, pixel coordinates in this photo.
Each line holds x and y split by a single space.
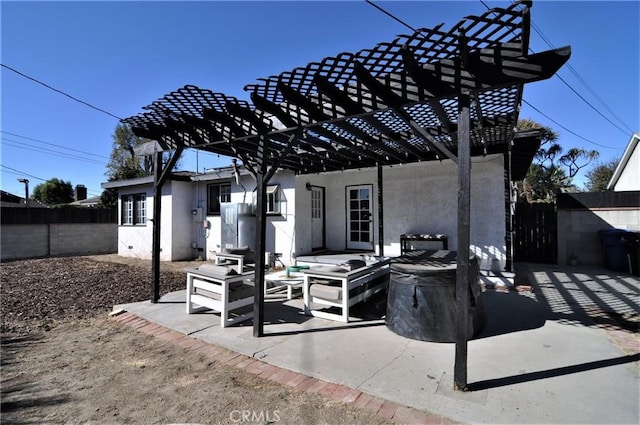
395 102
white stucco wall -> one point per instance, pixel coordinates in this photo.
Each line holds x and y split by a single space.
630 177
136 241
418 198
280 228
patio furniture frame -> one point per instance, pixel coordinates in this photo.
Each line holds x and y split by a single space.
212 291
348 282
238 258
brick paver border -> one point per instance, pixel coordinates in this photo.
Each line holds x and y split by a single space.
297 381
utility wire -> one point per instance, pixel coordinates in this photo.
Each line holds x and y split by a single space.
548 42
391 15
60 91
565 128
21 173
53 144
577 75
584 83
20 145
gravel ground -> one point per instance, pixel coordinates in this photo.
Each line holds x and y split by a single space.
64 362
36 294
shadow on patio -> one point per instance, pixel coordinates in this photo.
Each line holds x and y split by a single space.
585 296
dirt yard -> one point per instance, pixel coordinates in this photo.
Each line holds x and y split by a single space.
64 361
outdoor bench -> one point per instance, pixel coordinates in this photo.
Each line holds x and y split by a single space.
338 286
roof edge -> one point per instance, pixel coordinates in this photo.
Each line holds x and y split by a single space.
633 142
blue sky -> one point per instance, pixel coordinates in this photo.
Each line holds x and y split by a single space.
121 56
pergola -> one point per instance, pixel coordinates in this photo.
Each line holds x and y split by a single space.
431 95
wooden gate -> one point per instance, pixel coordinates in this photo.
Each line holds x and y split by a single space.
535 231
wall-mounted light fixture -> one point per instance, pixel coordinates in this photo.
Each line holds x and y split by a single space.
308 186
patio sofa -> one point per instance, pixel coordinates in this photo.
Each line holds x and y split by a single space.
221 289
342 286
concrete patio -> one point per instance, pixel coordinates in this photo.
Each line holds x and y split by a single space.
568 352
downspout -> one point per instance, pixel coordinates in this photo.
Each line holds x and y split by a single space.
508 202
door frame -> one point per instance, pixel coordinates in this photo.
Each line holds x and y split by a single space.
324 218
372 231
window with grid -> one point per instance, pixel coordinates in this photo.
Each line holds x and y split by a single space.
316 204
273 199
216 194
134 209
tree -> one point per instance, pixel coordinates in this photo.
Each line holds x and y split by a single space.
124 164
551 172
599 176
53 192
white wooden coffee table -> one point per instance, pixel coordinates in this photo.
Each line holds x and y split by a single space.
281 278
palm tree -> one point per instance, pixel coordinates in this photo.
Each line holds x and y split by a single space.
546 176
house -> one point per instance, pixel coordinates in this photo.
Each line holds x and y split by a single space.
14 201
336 211
626 176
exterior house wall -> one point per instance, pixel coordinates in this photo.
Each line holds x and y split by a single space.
136 241
279 229
630 176
418 198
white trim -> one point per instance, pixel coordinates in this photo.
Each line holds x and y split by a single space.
635 138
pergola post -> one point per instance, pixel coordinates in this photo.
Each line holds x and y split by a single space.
160 176
157 208
380 213
462 275
261 228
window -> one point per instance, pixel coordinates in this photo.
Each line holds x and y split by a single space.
134 209
273 199
316 204
216 194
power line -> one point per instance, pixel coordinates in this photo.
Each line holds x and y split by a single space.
391 15
22 173
60 91
570 131
565 128
53 144
575 73
17 144
585 84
